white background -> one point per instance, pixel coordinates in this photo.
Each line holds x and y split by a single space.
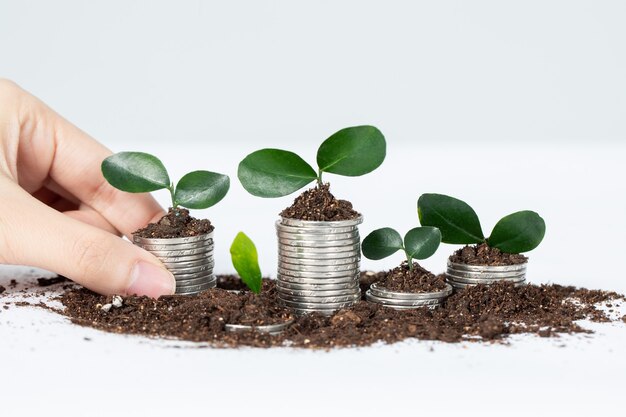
507 105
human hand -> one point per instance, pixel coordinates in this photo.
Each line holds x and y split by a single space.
57 212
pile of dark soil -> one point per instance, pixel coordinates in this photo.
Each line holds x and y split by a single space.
176 223
491 313
485 255
414 280
319 204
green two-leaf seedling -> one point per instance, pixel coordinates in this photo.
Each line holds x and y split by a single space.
353 151
519 232
138 172
246 262
419 243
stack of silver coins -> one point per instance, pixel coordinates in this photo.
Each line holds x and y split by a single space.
463 275
189 259
318 264
406 300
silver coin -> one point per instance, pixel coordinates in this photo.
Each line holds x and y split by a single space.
321 306
318 236
356 247
316 292
352 285
382 292
170 259
268 328
320 262
182 246
208 266
195 275
312 244
485 275
319 256
354 266
184 252
313 224
195 288
314 230
190 264
198 280
334 299
487 268
317 277
399 302
483 281
172 241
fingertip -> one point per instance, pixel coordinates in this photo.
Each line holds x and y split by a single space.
150 280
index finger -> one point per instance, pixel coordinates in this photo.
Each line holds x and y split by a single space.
76 164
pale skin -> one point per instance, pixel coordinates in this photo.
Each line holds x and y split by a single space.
57 212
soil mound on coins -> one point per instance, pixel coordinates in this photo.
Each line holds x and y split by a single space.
176 223
477 313
416 280
318 204
485 255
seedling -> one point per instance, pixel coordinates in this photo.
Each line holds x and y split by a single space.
353 151
246 262
419 243
138 172
519 232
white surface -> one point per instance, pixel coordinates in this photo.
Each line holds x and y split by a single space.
507 105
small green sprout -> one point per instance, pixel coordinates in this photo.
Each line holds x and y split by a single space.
246 262
519 232
138 172
419 243
353 151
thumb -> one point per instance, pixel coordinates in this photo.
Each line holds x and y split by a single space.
33 234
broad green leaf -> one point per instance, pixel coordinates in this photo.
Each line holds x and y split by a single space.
518 232
381 243
135 172
352 151
246 261
456 220
274 173
201 189
422 242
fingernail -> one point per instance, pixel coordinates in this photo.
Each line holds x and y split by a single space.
151 280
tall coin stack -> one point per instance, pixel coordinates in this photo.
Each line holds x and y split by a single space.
463 275
189 259
318 264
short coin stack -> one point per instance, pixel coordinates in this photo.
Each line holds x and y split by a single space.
318 264
190 259
406 300
463 275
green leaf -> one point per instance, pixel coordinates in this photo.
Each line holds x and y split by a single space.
352 151
274 173
422 242
246 261
518 232
201 189
456 220
381 243
135 172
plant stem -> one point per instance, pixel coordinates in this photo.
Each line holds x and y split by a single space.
409 260
172 193
319 178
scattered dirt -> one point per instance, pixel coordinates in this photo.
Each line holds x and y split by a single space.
46 282
368 278
484 255
414 280
319 204
477 313
2 289
176 223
